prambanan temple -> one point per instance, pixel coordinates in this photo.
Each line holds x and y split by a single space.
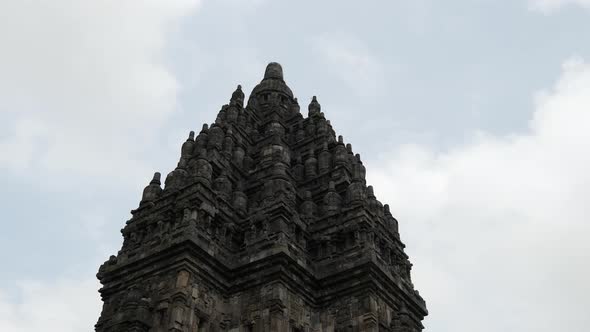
266 224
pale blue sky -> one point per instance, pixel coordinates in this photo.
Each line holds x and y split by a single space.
440 98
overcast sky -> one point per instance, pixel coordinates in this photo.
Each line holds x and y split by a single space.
472 117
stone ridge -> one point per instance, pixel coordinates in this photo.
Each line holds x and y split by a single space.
266 224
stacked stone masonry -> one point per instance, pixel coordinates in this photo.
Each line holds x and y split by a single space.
266 224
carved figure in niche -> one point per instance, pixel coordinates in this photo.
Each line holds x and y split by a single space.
332 200
189 216
300 133
208 213
281 154
267 193
228 143
324 159
238 155
240 202
223 185
252 234
264 228
216 136
298 169
308 208
289 194
275 127
311 165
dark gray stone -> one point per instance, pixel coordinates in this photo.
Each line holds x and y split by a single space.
267 224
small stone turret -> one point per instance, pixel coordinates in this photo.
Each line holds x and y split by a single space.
188 146
324 159
314 107
202 138
153 190
340 154
237 98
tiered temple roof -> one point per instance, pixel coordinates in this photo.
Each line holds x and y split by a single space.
263 197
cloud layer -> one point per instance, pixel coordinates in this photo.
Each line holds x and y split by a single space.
84 83
495 227
498 227
68 305
84 90
548 6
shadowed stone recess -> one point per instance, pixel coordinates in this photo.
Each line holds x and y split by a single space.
266 224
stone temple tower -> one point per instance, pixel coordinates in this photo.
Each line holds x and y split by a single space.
266 224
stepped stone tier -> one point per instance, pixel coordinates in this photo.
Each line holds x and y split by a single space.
266 224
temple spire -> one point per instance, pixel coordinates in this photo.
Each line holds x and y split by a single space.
273 70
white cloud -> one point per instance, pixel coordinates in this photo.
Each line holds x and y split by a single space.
91 74
352 62
67 305
498 228
547 6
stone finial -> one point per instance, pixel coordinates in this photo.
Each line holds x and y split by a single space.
237 97
370 192
156 179
273 70
187 147
205 128
386 208
153 190
349 148
314 107
340 139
